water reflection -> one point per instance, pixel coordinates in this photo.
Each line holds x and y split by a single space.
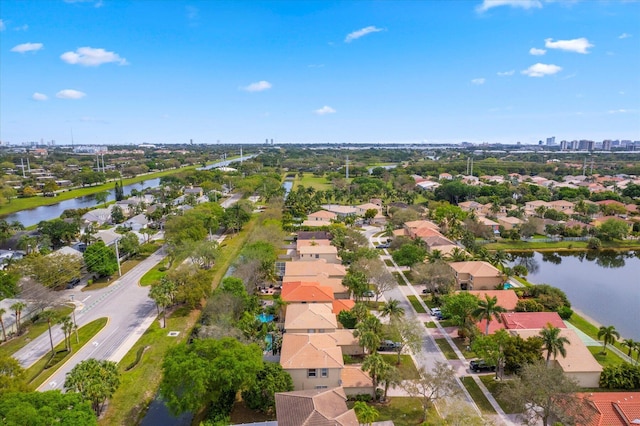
604 258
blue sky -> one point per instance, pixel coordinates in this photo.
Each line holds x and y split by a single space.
114 71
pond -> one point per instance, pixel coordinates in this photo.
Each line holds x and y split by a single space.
604 285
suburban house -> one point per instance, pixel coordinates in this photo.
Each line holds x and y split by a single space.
108 236
579 363
313 235
411 228
310 252
99 216
488 223
339 210
306 292
523 321
137 222
355 381
508 299
314 361
611 408
194 190
322 407
476 275
320 218
310 318
320 266
509 222
445 176
349 344
531 206
340 305
562 206
339 290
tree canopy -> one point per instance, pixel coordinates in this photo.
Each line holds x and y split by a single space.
46 408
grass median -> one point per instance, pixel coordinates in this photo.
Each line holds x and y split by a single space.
44 368
416 304
478 396
446 349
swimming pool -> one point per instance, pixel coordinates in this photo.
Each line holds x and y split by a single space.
269 339
263 317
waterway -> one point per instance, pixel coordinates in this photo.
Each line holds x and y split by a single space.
53 211
604 285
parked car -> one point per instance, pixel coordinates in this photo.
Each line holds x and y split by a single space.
480 365
368 293
383 246
389 345
74 282
426 290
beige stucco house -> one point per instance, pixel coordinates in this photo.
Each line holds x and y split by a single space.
314 361
310 318
476 275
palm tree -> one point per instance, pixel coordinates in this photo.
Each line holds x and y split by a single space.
389 376
374 364
434 256
458 255
608 334
49 316
365 413
553 343
637 347
629 343
67 328
392 309
17 308
4 332
488 309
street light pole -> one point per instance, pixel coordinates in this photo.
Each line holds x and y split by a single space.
118 258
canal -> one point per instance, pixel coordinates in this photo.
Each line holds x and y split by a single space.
604 285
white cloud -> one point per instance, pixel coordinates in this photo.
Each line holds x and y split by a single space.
478 81
24 27
39 97
325 110
523 4
2 25
27 47
621 111
624 35
506 73
258 86
537 52
540 70
578 45
70 94
92 57
361 33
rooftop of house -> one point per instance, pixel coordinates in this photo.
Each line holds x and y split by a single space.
476 268
486 221
319 266
314 350
531 320
353 377
313 235
316 407
367 206
345 337
306 316
340 305
312 242
309 249
310 292
338 209
508 299
415 224
425 232
322 279
323 214
613 408
511 219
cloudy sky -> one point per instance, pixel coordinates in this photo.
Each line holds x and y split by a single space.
349 71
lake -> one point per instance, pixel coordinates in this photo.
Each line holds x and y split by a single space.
604 285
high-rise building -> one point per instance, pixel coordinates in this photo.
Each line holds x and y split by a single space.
606 145
564 145
551 140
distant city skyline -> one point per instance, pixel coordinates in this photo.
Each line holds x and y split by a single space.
495 71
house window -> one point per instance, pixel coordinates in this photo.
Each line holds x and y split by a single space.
324 372
317 256
321 387
310 330
311 372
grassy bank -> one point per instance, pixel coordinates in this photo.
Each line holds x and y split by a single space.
403 411
591 330
139 384
44 368
566 246
309 180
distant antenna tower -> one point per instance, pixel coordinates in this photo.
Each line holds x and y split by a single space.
240 155
347 164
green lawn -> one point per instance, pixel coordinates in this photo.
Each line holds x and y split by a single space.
309 180
477 395
430 324
462 346
154 274
494 386
416 304
33 331
41 370
592 331
446 349
609 359
403 411
399 278
389 263
560 245
407 368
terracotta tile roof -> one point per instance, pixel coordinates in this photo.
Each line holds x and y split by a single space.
313 242
309 235
323 214
508 299
345 337
305 316
322 279
426 232
493 326
317 223
317 250
531 320
317 407
353 377
415 224
476 268
319 266
340 305
613 408
300 291
437 240
316 350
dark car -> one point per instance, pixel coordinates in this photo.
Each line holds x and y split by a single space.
478 366
383 246
74 282
389 345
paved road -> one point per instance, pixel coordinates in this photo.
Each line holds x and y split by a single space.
130 312
230 201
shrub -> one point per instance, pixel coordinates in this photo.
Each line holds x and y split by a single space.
622 376
364 397
594 243
565 312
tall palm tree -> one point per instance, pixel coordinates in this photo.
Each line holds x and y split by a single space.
608 335
488 309
17 308
434 256
49 316
374 364
392 309
629 343
553 343
4 332
458 255
67 328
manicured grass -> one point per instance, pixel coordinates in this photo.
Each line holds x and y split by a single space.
416 304
407 368
309 180
428 300
33 331
462 347
403 411
609 359
477 395
430 324
399 278
560 245
494 387
446 349
139 385
40 371
592 331
107 281
154 275
389 263
448 323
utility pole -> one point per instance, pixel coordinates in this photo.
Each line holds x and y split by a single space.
347 164
118 257
75 324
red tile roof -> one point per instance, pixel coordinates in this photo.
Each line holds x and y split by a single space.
531 320
299 291
613 408
340 305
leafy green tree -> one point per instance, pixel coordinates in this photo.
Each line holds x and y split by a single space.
488 309
613 229
94 380
374 364
101 259
117 215
409 255
622 376
129 244
553 342
389 377
405 332
163 293
432 386
12 376
356 282
46 408
519 352
547 389
17 308
269 380
609 335
59 231
365 413
52 271
347 319
436 277
368 331
8 284
198 374
491 348
459 308
101 197
392 309
235 217
188 227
